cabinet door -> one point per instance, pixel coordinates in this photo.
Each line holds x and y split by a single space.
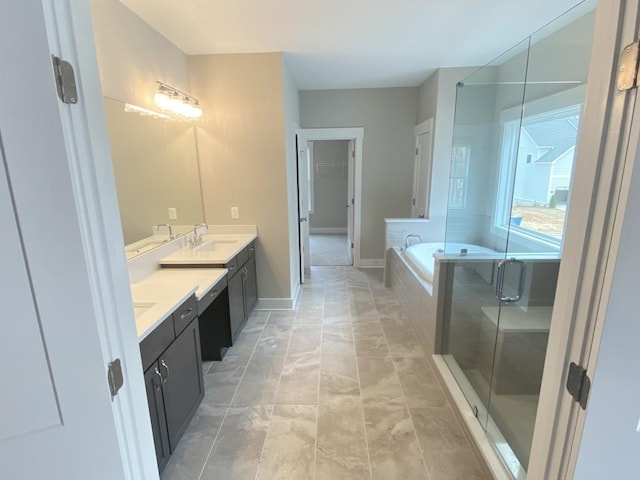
250 286
153 384
181 365
236 304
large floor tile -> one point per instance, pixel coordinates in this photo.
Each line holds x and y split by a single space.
300 379
305 339
419 383
274 340
187 462
260 382
379 382
338 377
237 450
447 454
393 448
289 448
341 452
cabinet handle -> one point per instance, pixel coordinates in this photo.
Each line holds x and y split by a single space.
213 293
232 267
252 249
164 365
159 384
186 314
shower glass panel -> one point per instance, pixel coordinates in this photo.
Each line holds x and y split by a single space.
516 126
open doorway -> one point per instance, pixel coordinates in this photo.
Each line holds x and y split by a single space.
329 202
329 182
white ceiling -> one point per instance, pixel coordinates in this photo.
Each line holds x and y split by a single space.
352 43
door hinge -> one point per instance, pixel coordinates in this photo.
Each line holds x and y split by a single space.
352 245
417 151
114 376
628 68
353 201
413 202
578 384
65 80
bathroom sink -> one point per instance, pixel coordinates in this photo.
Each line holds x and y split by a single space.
213 245
140 308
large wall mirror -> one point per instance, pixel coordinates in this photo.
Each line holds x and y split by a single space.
156 169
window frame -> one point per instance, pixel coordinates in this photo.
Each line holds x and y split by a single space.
512 120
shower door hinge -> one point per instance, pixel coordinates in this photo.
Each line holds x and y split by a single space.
578 384
628 68
65 80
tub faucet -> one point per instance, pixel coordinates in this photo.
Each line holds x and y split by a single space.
411 235
157 227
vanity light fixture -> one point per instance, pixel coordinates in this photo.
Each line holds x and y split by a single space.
172 100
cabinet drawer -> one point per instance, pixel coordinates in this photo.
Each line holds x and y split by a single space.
156 343
211 295
232 266
184 314
252 248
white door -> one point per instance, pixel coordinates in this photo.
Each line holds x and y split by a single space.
304 172
351 175
422 176
57 420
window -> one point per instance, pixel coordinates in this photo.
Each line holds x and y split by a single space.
535 173
458 179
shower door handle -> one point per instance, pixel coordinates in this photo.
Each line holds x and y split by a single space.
500 280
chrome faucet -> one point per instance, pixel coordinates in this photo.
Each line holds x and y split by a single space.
411 235
157 227
196 240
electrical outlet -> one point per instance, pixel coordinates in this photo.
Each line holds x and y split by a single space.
173 213
234 213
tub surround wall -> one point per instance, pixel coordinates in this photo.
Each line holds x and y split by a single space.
419 306
397 229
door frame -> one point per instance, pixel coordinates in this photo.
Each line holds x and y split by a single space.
70 33
422 129
351 133
600 191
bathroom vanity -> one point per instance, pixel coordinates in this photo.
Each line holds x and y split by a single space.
190 304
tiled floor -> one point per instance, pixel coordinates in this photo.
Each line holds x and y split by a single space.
338 389
328 250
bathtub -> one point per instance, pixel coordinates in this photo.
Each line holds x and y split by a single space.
420 255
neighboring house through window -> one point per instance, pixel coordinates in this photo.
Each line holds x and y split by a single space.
534 190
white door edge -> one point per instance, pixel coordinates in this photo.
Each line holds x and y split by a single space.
351 133
89 154
591 242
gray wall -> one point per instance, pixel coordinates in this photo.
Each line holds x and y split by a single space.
244 156
388 116
329 184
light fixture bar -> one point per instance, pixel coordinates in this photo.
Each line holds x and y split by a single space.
176 101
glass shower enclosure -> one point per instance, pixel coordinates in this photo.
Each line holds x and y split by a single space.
516 125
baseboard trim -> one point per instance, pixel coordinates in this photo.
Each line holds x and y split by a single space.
276 303
371 263
328 230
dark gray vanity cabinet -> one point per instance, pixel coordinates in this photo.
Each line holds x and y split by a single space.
153 383
172 362
236 304
243 288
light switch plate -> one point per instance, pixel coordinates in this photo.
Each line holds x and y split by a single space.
235 214
173 213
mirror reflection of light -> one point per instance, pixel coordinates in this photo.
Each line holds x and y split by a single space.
176 102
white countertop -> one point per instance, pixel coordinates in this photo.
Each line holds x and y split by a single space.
216 249
159 294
